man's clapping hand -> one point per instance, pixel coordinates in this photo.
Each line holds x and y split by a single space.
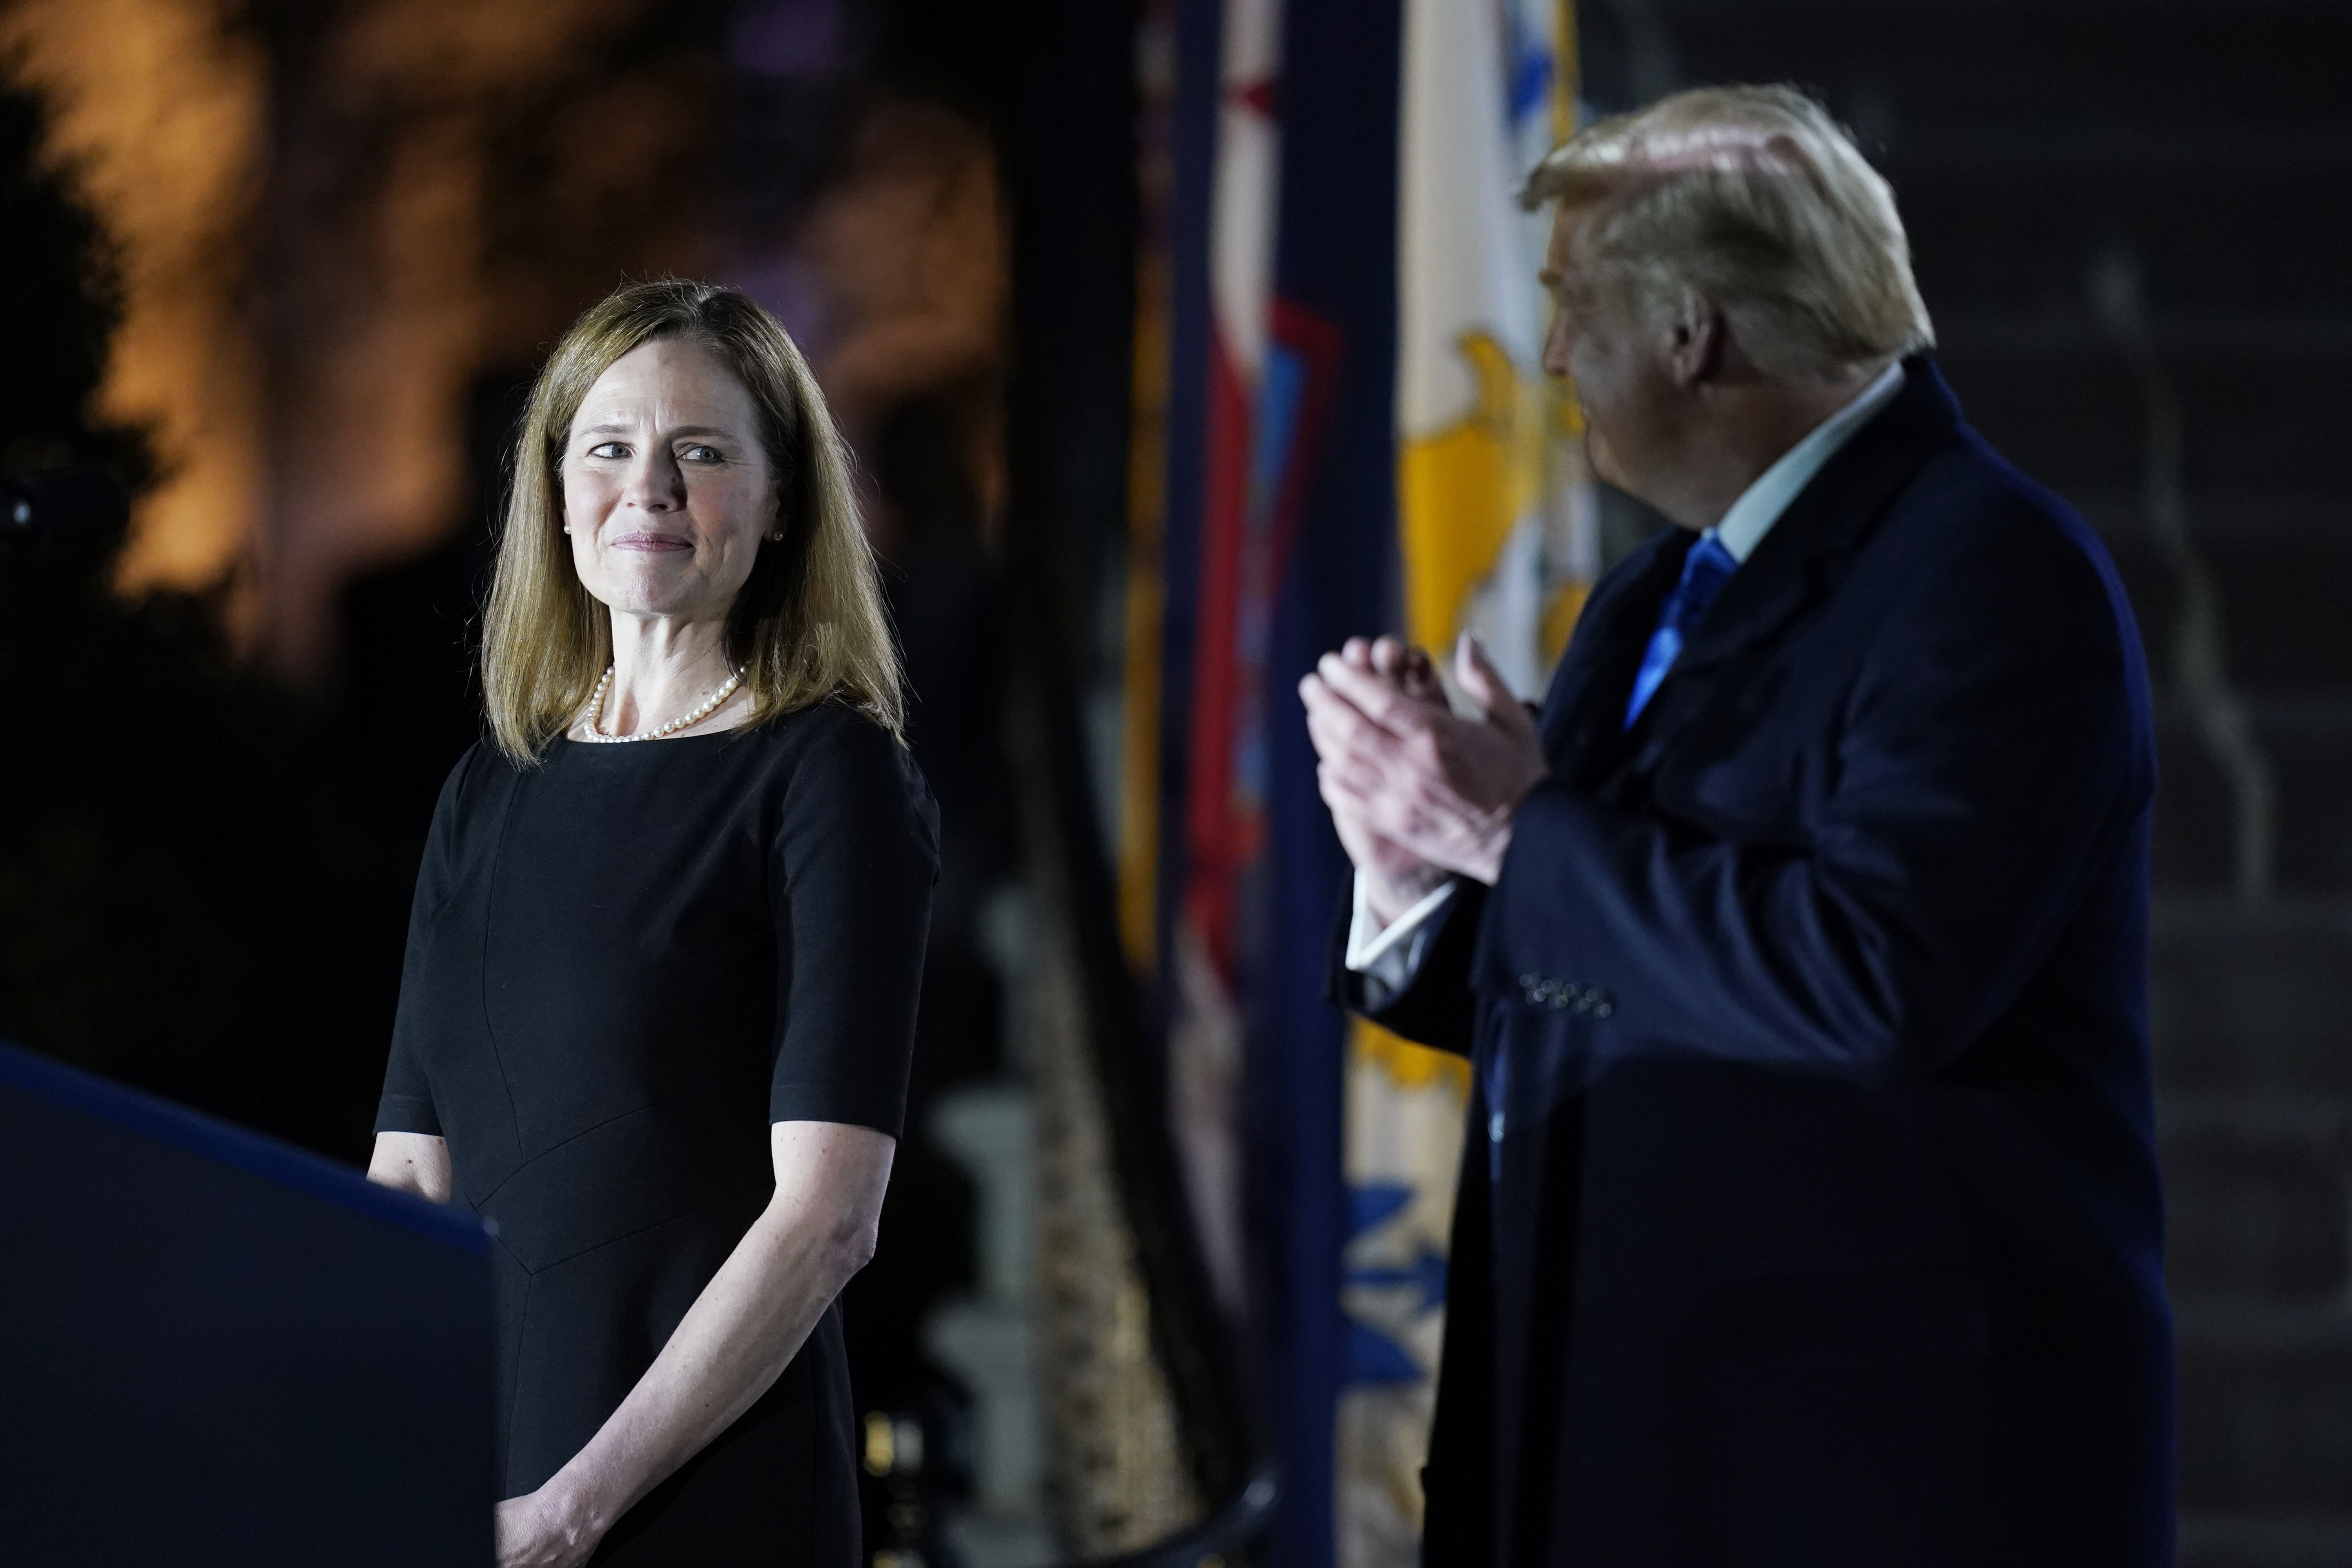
1416 791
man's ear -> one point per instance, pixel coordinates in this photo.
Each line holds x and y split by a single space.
1695 342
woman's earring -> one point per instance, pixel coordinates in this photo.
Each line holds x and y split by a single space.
777 537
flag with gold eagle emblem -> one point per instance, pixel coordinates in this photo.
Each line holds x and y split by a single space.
1342 426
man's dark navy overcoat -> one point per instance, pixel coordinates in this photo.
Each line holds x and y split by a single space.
1809 1215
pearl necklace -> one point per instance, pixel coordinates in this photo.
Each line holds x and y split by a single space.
709 705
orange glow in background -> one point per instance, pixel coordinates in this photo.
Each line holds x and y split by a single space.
157 114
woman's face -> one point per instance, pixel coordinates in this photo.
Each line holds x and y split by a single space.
667 489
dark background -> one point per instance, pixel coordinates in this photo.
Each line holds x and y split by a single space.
2122 213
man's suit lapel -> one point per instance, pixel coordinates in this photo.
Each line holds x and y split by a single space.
1796 561
1583 713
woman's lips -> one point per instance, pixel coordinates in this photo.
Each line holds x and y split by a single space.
650 542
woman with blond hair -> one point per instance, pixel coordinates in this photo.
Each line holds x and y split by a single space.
657 1011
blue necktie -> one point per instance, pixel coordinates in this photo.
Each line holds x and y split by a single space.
1706 570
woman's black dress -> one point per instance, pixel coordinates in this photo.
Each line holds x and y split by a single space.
622 966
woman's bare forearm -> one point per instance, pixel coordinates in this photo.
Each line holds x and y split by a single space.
744 1328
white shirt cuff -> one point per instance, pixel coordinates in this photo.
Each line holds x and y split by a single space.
1391 956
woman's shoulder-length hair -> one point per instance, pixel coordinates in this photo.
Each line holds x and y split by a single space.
807 625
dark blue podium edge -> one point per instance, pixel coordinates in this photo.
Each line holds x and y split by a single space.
196 1133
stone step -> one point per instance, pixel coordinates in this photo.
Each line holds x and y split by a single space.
2251 1002
2069 410
2265 1404
2059 324
2265 1541
2258 1197
2278 563
2308 745
2005 243
2016 81
2264 517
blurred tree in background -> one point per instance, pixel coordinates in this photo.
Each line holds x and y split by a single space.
197 884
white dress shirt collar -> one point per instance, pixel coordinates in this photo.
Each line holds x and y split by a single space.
1760 506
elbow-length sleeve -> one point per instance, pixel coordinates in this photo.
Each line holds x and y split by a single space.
855 852
406 1105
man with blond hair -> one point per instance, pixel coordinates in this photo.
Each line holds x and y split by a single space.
1809 1212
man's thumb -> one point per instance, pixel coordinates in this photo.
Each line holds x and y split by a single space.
1478 676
